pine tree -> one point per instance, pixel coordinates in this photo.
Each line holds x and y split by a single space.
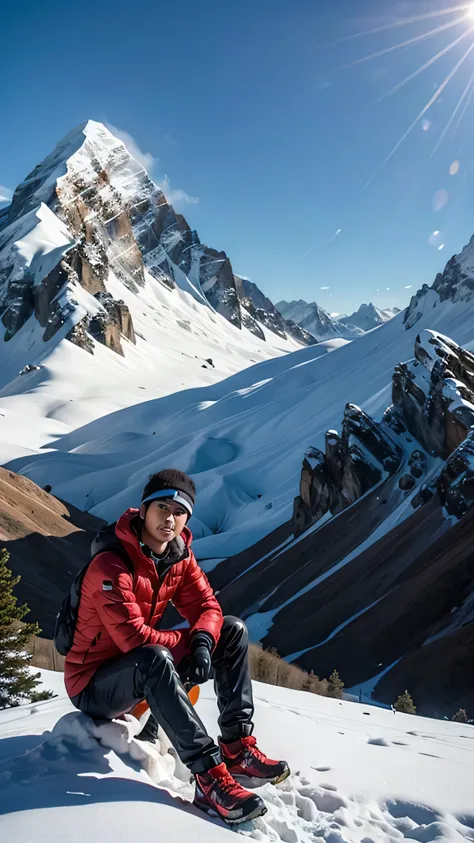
405 703
17 683
460 716
335 685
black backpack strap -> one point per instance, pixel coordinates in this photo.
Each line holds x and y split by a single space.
106 540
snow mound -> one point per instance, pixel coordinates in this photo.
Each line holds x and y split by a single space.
359 774
34 245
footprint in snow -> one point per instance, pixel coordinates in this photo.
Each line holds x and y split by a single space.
378 742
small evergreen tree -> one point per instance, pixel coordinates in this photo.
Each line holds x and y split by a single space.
17 683
335 685
460 716
405 703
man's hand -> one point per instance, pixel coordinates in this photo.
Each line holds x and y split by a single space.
200 663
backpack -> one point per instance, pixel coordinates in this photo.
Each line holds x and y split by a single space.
66 619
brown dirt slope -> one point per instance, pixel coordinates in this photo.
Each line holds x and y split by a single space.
48 541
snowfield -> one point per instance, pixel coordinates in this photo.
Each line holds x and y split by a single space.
360 774
242 439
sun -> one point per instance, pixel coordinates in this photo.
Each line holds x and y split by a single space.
470 11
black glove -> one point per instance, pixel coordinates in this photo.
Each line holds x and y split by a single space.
200 662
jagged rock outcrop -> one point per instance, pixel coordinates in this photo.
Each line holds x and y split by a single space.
88 216
434 394
455 284
433 401
111 323
455 483
352 464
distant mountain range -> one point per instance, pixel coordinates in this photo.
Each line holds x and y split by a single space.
318 322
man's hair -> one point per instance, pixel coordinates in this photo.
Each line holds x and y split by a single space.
171 478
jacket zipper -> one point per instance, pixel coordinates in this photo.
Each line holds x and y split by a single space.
156 589
153 603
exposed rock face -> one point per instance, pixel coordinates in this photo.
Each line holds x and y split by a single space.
433 400
455 483
434 394
352 464
455 284
89 215
263 311
111 323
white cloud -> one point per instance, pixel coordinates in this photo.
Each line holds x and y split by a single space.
146 159
408 287
175 195
324 288
5 193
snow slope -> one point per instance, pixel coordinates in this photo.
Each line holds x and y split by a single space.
242 439
175 339
360 774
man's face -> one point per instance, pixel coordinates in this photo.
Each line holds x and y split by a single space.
164 520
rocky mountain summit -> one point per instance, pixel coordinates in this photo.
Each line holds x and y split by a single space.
368 316
317 321
323 326
89 216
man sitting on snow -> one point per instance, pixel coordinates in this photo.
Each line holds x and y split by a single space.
120 656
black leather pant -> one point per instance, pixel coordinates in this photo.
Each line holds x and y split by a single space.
150 673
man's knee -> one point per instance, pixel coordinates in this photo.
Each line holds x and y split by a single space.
154 657
235 628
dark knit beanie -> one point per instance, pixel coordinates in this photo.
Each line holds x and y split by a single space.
171 484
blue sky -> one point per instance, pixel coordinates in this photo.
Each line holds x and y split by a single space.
266 139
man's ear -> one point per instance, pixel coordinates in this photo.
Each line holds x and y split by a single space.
142 511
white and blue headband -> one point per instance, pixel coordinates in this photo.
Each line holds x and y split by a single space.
171 494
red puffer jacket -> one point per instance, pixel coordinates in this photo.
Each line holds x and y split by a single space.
118 612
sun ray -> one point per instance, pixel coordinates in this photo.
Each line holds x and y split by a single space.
465 7
425 66
422 113
466 105
411 41
453 115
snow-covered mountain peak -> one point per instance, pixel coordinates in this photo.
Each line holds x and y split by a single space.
368 316
85 145
314 319
114 225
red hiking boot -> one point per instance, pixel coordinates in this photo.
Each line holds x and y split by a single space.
244 759
219 794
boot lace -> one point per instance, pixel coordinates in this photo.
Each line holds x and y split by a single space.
226 782
250 744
